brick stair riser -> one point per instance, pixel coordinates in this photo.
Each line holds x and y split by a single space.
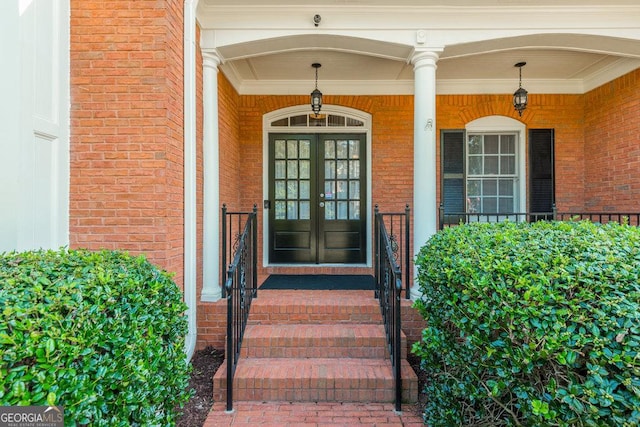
377 386
366 348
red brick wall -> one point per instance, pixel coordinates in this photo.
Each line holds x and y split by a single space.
126 128
612 145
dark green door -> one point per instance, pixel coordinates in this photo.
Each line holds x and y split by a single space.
317 198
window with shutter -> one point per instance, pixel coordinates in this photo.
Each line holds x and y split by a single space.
482 172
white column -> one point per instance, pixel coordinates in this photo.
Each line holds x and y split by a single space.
211 286
424 150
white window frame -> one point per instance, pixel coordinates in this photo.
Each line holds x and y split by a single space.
505 125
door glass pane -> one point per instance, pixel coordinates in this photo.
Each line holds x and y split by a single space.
281 192
354 149
343 210
342 169
342 190
305 210
354 210
354 169
305 169
292 210
292 169
281 210
354 190
281 168
292 189
280 149
330 210
329 190
305 149
305 190
343 149
329 149
292 149
329 169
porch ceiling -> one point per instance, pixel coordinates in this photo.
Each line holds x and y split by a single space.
271 51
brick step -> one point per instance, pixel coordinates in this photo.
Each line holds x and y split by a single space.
316 380
314 307
366 341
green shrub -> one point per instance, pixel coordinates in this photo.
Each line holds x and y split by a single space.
531 324
100 333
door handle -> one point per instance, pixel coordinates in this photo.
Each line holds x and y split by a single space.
322 204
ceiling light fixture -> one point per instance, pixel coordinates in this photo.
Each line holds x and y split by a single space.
316 95
520 97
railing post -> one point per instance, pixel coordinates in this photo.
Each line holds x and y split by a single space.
554 211
407 260
441 216
230 350
396 347
223 274
254 237
376 249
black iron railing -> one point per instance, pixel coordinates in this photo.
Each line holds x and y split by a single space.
233 225
241 284
388 292
398 229
455 218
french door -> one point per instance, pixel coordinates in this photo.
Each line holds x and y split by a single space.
317 198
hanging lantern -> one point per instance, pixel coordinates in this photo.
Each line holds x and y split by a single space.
316 95
520 97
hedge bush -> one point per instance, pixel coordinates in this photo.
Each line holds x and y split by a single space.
531 324
100 333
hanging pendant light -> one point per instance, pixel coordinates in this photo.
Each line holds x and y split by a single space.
316 95
520 97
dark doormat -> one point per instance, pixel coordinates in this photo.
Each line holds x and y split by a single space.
348 282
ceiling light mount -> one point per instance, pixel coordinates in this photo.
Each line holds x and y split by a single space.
520 97
316 95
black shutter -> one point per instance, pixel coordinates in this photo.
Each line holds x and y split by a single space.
541 179
452 156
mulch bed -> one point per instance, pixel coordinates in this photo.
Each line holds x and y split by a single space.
205 364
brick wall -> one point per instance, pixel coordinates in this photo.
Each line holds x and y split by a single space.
612 145
126 128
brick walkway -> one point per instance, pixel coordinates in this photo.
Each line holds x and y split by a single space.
325 414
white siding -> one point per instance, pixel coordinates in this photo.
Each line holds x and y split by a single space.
34 121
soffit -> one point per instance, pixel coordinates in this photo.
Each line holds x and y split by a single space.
276 57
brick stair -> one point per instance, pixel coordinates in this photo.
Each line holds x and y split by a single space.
315 346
